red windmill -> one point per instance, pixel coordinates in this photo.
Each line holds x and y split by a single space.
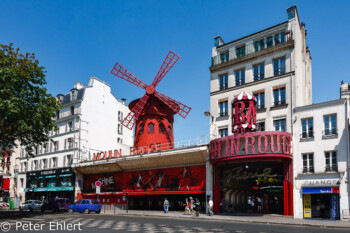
153 114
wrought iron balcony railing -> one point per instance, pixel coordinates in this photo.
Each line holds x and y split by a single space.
332 168
330 132
308 170
259 76
278 103
223 86
248 49
309 134
223 113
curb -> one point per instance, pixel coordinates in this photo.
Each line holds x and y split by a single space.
232 220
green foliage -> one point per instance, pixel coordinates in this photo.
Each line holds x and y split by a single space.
26 109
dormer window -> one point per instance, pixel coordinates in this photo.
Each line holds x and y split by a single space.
60 97
73 94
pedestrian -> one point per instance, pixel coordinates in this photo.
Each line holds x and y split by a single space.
259 204
198 206
192 204
210 207
166 206
187 207
253 204
249 205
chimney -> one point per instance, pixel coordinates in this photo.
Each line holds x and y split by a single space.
78 85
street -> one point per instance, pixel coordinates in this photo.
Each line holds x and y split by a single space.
77 222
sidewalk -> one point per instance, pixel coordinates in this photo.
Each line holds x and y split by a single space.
261 219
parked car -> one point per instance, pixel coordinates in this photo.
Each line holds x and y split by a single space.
31 205
56 204
85 206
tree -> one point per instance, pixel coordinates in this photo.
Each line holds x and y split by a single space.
26 109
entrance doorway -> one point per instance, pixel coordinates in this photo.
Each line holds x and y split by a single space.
258 183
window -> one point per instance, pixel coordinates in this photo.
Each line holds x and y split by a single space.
307 128
260 99
224 57
72 110
142 128
25 166
35 167
69 160
308 163
291 13
44 163
279 66
223 105
120 116
261 126
169 130
120 129
240 77
259 71
69 143
279 38
269 42
54 162
280 125
120 140
223 79
223 132
240 52
151 128
162 128
69 126
331 161
55 145
279 95
330 124
58 114
22 183
46 148
259 45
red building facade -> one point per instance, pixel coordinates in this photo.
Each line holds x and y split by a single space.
249 164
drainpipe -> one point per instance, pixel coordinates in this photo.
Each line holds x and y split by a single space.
348 147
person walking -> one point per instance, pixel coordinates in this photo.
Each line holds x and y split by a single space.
192 205
187 207
198 206
249 205
210 207
166 206
259 205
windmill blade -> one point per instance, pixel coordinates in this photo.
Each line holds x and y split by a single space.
168 62
119 71
130 120
176 106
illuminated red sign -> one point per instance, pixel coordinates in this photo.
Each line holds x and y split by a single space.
243 113
251 144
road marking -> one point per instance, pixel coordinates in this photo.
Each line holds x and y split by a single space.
95 223
107 224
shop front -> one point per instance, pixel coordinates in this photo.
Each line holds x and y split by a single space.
253 167
142 182
45 184
321 198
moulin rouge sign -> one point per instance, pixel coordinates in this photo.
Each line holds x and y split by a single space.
245 141
133 151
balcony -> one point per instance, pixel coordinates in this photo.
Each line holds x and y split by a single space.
331 168
259 76
223 114
308 170
309 134
223 86
248 49
329 133
68 113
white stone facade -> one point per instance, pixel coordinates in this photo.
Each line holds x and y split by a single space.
295 77
317 140
88 122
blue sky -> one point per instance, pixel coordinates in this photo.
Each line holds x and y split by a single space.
78 39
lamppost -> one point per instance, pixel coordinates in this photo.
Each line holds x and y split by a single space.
213 127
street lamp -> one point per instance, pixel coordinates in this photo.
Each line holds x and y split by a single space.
213 127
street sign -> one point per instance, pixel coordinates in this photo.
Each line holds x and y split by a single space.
98 189
98 183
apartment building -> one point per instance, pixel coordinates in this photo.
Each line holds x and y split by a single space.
88 121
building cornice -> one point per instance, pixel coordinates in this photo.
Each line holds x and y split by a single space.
319 105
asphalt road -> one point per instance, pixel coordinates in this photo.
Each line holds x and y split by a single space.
120 223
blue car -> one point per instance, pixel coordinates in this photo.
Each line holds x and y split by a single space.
85 206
